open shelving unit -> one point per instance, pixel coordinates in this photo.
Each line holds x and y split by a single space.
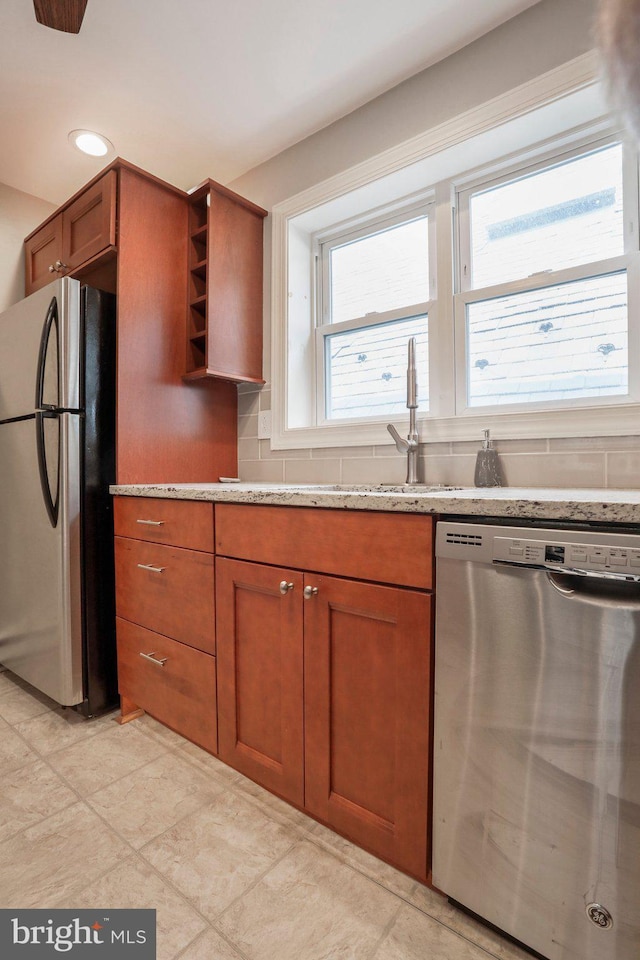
224 301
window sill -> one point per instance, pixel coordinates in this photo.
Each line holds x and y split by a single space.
614 420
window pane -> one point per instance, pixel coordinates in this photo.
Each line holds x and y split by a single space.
558 343
563 216
367 370
380 272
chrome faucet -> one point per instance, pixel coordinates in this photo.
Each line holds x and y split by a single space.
410 445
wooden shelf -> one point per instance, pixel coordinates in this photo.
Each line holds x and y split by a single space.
224 286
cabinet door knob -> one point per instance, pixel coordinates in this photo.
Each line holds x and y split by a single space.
159 661
285 586
59 265
52 268
309 592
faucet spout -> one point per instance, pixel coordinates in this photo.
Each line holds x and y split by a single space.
411 444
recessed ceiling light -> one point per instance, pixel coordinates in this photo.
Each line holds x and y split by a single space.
92 143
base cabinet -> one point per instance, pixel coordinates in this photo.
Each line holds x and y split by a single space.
323 698
165 624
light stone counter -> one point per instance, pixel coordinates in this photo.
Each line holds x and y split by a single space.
607 506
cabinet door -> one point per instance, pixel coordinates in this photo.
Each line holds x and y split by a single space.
41 251
89 223
367 714
259 650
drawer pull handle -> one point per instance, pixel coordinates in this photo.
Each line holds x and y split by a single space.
309 592
285 586
159 661
152 523
148 566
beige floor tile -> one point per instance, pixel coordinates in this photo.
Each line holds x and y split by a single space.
365 862
438 907
415 936
92 764
59 728
216 854
57 858
153 728
30 794
145 803
273 806
309 906
14 752
208 763
211 946
19 701
133 884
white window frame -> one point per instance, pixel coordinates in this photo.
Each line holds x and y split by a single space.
324 243
629 262
557 105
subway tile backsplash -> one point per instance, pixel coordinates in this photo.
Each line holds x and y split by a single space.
612 462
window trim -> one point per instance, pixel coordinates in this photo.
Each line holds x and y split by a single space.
577 78
324 243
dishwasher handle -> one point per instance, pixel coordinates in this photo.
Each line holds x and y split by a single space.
630 578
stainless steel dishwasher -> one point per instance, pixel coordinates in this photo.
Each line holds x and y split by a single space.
537 734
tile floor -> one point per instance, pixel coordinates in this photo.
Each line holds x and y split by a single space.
93 814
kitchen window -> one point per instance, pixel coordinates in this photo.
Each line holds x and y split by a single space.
506 241
542 312
374 294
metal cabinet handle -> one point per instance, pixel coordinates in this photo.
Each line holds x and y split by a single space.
52 268
159 661
152 523
285 586
148 566
60 265
309 592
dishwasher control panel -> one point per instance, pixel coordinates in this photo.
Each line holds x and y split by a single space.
603 553
567 556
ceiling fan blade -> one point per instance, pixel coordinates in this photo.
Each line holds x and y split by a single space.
65 15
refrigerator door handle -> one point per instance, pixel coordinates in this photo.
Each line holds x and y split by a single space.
50 322
51 503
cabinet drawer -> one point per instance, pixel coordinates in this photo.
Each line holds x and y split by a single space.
181 692
391 548
166 589
179 523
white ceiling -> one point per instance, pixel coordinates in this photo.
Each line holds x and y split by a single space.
189 89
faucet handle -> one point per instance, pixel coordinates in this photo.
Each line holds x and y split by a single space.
402 445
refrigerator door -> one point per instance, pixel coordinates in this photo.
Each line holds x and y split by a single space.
39 352
40 577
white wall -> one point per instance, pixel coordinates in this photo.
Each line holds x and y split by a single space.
545 36
19 214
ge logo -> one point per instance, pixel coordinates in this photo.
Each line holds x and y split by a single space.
600 916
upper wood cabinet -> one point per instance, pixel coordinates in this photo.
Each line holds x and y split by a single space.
81 231
224 296
127 232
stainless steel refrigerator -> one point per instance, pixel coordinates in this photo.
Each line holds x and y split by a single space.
57 459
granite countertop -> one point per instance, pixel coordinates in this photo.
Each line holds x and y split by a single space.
608 506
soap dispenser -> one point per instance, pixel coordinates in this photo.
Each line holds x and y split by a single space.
488 472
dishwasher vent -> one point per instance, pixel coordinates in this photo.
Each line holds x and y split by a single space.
466 539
